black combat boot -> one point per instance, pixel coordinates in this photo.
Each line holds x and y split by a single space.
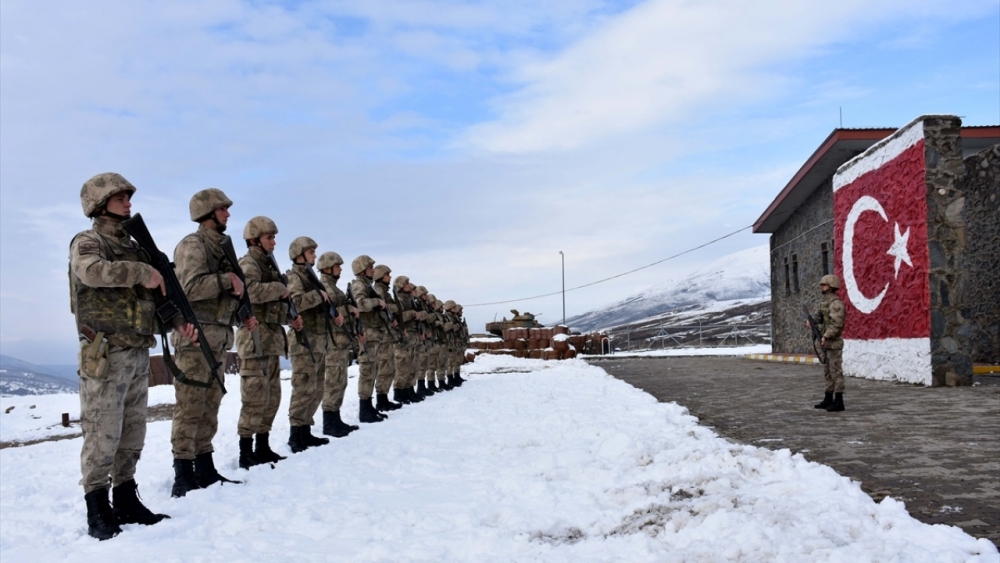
444 385
264 453
456 379
838 404
205 474
827 401
422 389
367 413
400 395
432 387
383 404
333 426
415 396
100 520
183 478
310 440
296 441
128 509
247 457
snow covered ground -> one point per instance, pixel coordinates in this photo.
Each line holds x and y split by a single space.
529 461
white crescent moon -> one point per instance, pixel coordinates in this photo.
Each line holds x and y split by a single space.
864 304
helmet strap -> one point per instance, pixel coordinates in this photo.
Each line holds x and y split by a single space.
105 213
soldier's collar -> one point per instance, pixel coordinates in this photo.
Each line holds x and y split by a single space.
211 233
109 227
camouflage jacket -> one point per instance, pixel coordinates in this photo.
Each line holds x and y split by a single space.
203 272
107 272
832 313
265 290
339 300
309 301
367 302
408 314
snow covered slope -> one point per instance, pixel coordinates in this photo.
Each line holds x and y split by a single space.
18 377
528 461
743 275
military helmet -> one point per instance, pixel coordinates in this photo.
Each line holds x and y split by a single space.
419 291
381 270
400 282
830 280
449 305
205 202
97 190
329 260
361 263
299 247
258 227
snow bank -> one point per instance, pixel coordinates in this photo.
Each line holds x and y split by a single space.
529 460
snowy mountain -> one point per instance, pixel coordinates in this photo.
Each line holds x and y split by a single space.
18 377
742 278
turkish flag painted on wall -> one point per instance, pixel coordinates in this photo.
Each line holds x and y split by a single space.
881 254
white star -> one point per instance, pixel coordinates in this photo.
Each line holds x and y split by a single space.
898 249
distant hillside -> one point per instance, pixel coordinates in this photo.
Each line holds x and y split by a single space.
18 377
742 277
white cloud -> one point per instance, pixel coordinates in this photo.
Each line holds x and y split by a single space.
665 61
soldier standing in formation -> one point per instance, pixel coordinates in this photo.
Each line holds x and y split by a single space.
386 371
832 313
213 289
364 298
111 290
405 354
338 357
260 350
308 365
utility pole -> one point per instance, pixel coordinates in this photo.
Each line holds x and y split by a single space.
563 259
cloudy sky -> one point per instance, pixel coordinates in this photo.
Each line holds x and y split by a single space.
464 144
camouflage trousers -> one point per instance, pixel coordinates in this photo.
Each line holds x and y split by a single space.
113 418
196 412
309 380
368 363
404 357
260 393
833 371
386 371
441 363
335 384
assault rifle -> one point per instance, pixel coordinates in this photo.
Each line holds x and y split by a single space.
293 312
332 312
816 336
359 329
245 309
383 314
172 305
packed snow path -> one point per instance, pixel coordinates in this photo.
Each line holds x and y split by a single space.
530 460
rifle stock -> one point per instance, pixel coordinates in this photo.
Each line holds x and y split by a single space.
293 312
816 336
173 305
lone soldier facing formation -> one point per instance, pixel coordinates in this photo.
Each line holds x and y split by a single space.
831 320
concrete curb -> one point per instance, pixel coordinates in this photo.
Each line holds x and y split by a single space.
787 358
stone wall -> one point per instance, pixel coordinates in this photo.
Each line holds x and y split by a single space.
799 242
980 214
946 240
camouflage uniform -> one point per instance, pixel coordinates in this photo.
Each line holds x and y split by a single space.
386 371
367 303
338 357
115 319
832 313
260 385
406 354
308 373
202 271
105 263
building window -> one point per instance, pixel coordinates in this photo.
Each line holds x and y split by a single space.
788 283
795 273
825 254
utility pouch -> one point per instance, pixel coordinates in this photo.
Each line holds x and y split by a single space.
94 357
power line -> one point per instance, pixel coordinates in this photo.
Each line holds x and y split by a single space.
615 276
